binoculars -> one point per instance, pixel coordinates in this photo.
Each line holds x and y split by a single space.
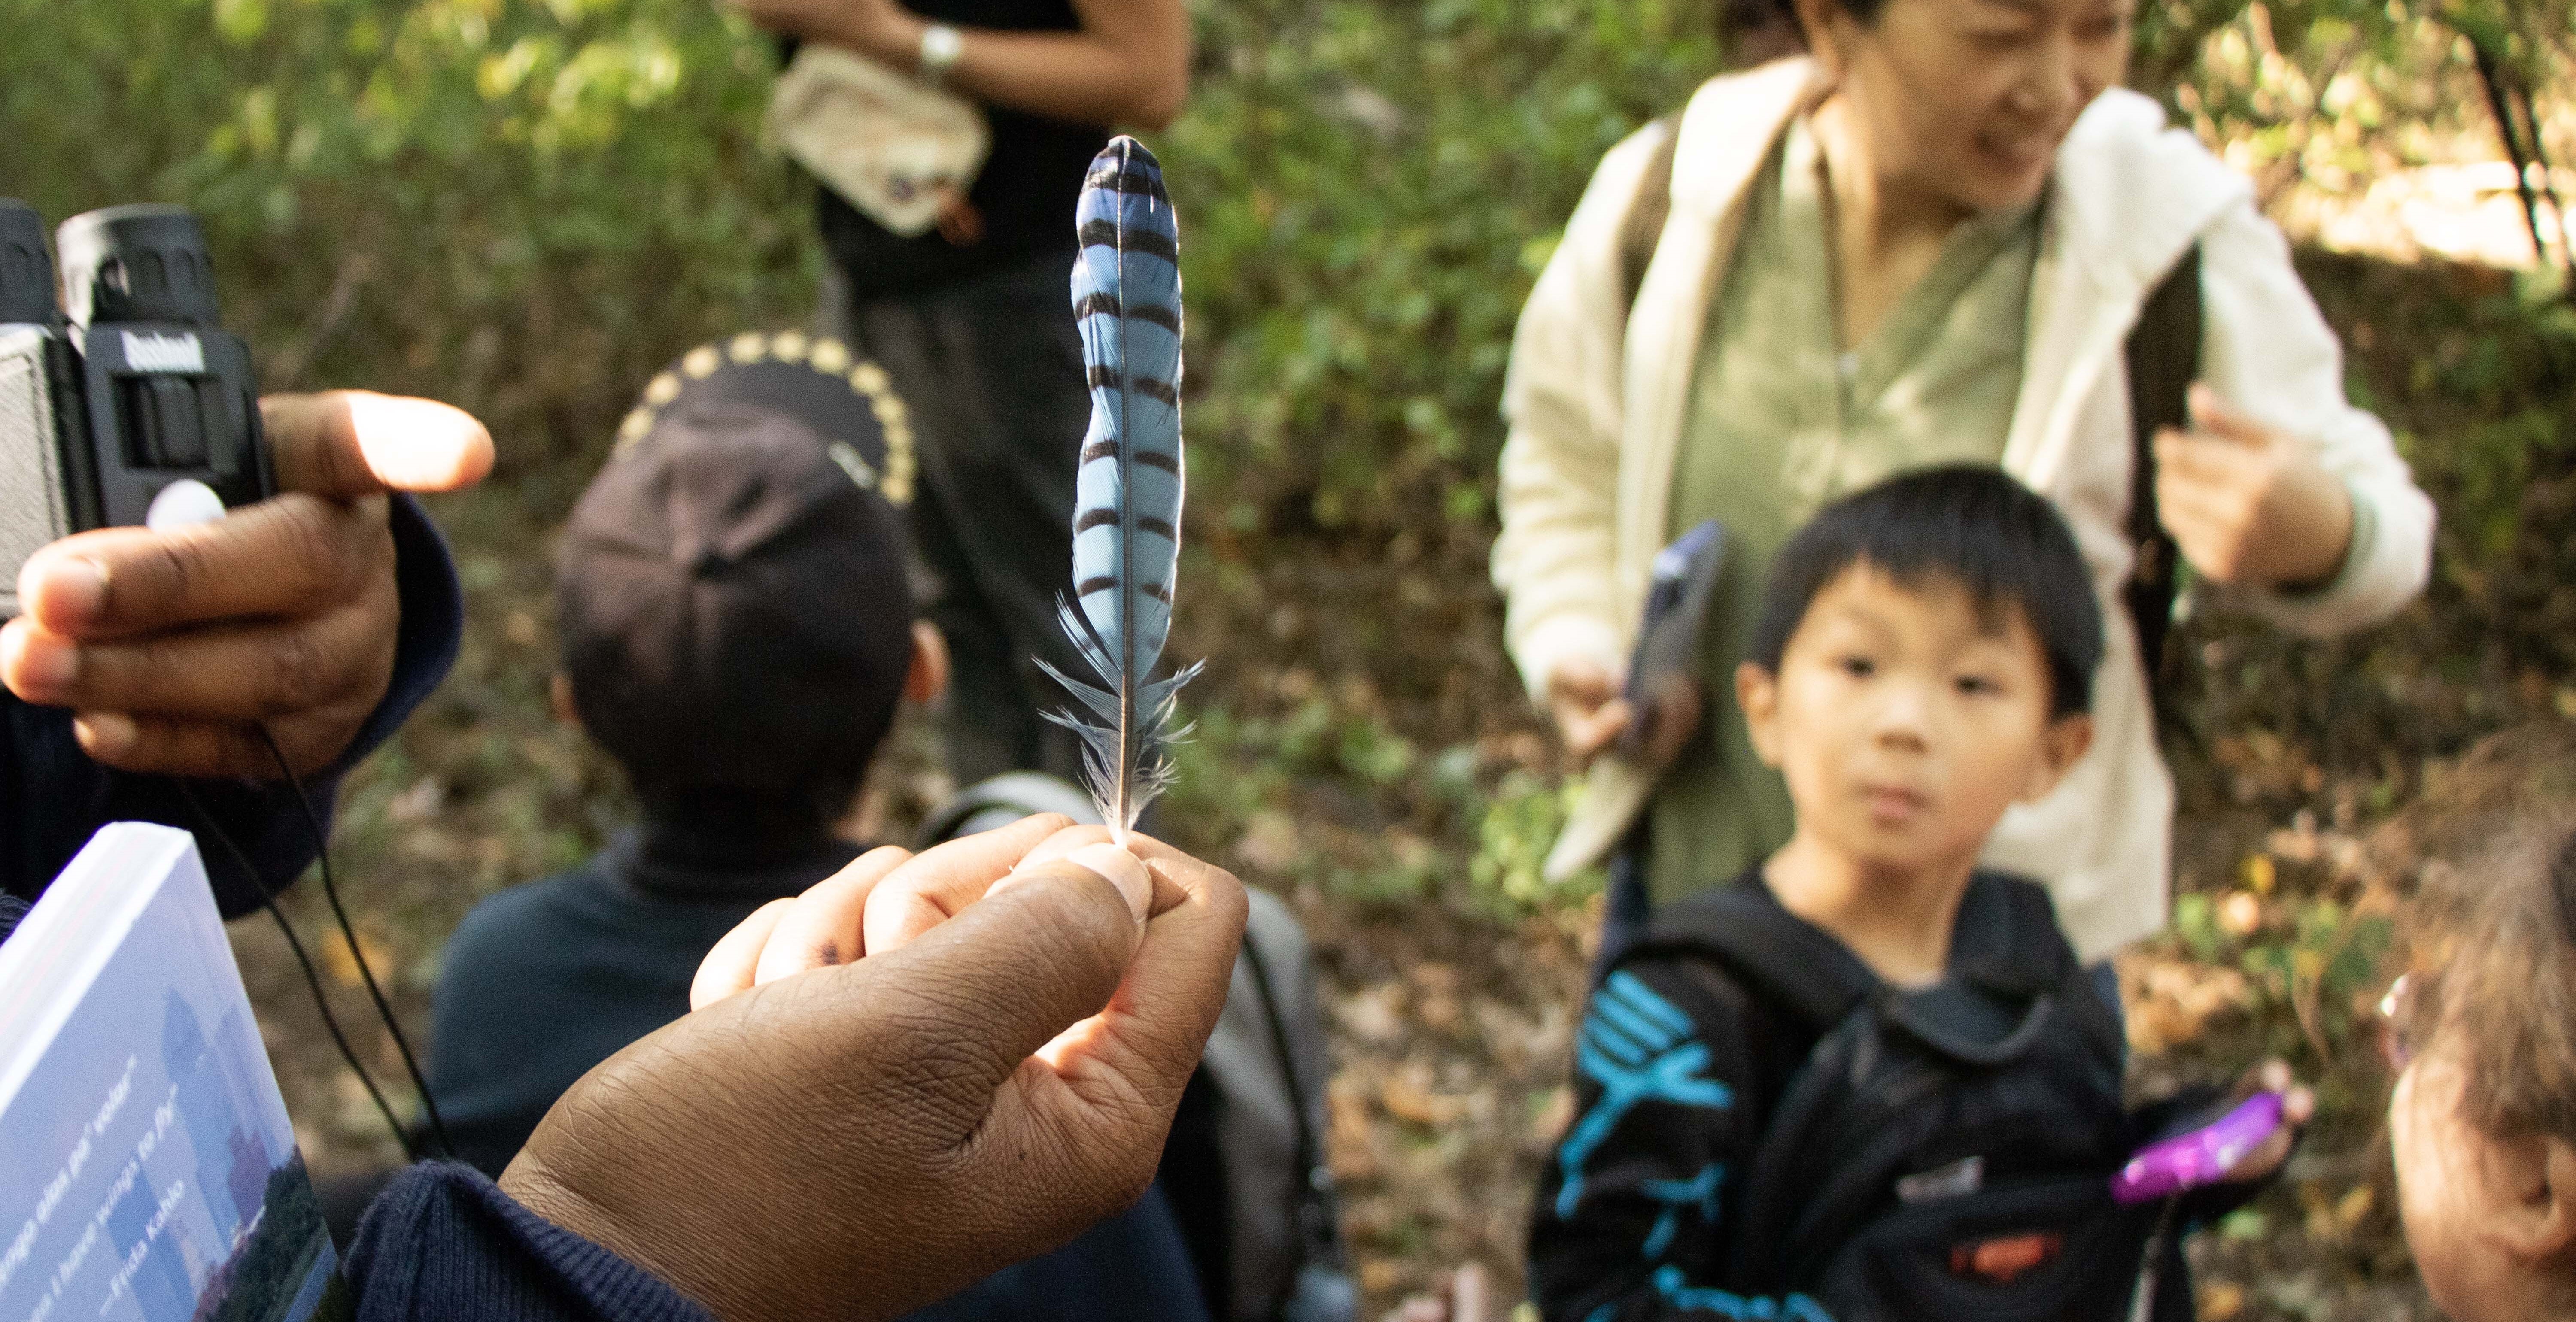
135 408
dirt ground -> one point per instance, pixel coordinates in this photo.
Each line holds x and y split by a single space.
1352 762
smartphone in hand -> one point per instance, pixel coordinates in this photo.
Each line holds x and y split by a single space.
2200 1156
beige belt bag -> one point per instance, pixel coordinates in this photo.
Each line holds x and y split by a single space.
886 141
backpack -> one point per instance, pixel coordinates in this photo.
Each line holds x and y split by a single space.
1938 1153
1266 1060
2163 358
1244 1166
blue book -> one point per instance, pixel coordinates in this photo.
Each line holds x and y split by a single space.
148 1172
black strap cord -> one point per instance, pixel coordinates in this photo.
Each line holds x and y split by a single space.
340 1038
348 934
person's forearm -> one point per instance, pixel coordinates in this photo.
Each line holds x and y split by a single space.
1132 79
1068 76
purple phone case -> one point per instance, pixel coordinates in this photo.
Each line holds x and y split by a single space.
2188 1161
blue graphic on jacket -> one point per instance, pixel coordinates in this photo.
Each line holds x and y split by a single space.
1638 1047
1699 1191
1678 1292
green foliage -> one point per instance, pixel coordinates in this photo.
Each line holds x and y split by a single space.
1368 190
1513 841
484 200
1272 797
2307 963
1221 778
2333 93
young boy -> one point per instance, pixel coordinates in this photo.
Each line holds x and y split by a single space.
737 633
1924 660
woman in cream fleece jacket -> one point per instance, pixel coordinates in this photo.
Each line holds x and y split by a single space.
1921 116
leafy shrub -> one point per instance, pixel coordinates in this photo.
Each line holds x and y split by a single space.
1369 189
522 207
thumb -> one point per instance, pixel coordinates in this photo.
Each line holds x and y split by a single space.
2214 416
1027 962
1147 1041
343 444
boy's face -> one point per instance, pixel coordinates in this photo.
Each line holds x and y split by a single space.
1906 720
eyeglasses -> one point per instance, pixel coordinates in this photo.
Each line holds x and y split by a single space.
2397 1023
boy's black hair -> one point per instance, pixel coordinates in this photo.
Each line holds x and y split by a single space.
1967 523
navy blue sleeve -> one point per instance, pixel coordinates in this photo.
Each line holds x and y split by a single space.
1629 1225
53 798
444 1242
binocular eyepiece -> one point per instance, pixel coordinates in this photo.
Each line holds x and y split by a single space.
26 276
132 263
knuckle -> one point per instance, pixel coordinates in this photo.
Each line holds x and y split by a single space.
187 748
145 674
1093 942
367 654
231 751
349 652
287 541
1226 896
324 543
1064 908
176 565
312 740
343 467
300 670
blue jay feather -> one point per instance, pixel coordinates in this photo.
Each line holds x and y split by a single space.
1127 485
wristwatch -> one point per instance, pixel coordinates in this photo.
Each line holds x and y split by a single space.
940 46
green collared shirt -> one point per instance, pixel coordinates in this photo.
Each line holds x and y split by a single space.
1782 421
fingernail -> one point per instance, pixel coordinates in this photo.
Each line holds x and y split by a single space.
46 669
108 734
72 588
1124 871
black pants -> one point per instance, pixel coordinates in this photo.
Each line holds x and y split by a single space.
991 369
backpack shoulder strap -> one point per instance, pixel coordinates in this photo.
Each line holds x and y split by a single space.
2163 353
2009 940
1802 984
1652 206
1779 958
2007 936
999 801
